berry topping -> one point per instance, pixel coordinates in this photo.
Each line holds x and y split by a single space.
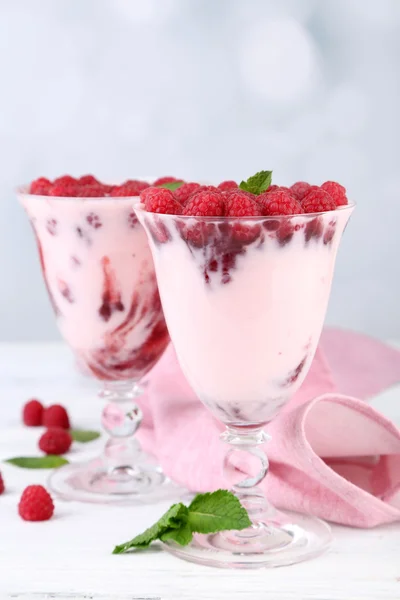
64 189
205 204
162 180
160 200
36 504
318 201
2 488
300 189
95 190
272 188
336 191
279 203
40 187
32 413
88 180
131 187
55 441
183 193
239 204
65 180
56 416
228 185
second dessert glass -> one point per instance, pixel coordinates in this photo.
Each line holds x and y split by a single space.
245 301
99 274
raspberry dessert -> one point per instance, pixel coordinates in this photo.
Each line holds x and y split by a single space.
244 276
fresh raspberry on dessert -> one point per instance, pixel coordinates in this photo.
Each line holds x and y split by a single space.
336 191
183 193
64 190
240 205
162 180
40 187
56 416
55 440
36 504
129 188
160 200
318 201
32 413
279 203
65 179
300 189
2 488
228 185
88 180
94 190
272 188
205 204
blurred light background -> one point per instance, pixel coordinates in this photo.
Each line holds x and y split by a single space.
206 89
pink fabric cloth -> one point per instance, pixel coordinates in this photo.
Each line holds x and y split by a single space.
331 454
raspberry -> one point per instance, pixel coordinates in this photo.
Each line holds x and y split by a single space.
336 191
208 188
64 190
183 193
240 205
228 185
2 488
88 180
40 187
129 188
272 188
160 200
65 179
279 203
36 504
56 416
91 191
162 180
300 189
55 441
318 201
32 414
205 204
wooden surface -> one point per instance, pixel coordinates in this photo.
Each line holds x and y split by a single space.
70 556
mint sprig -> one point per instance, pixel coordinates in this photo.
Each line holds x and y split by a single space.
258 183
83 436
208 513
171 185
38 462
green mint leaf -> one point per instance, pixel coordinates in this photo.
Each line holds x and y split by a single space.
171 185
84 436
217 511
258 183
175 518
182 536
38 462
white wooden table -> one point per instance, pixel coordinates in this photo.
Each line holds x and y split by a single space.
70 555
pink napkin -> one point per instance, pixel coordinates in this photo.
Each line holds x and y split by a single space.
330 454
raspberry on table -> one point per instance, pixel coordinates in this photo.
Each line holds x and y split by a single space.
183 193
160 200
300 189
55 440
279 203
2 487
56 416
40 187
64 190
88 180
205 203
32 413
162 180
36 504
336 191
318 201
224 186
240 205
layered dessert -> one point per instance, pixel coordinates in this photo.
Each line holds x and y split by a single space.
244 275
99 273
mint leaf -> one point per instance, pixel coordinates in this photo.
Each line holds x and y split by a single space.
258 183
217 511
38 462
182 536
171 185
84 436
175 518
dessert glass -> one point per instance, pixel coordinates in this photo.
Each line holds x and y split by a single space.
245 301
99 275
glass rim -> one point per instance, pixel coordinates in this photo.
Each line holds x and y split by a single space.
139 208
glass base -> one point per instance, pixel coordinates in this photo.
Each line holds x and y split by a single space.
287 540
98 482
